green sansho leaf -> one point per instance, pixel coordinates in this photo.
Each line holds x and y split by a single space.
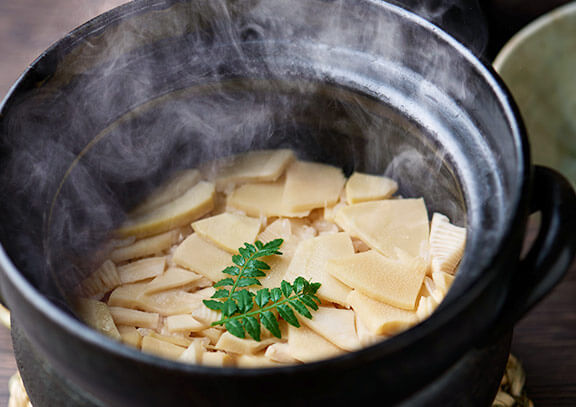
235 328
252 326
262 297
275 294
221 294
271 323
224 282
213 305
243 311
288 315
229 307
300 307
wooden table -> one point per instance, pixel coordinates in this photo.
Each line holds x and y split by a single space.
545 340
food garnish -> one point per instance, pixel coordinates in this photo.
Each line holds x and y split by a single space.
244 311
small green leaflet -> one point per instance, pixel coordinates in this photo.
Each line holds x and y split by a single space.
301 293
243 311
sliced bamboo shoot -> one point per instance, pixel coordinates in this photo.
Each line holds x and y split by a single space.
142 269
161 348
233 344
130 336
378 317
388 225
198 255
212 334
194 352
145 247
365 187
206 315
173 339
216 359
311 259
443 281
185 323
263 200
335 325
254 361
307 346
366 336
104 279
228 231
169 302
97 315
196 202
131 317
254 166
279 353
312 185
180 182
394 282
174 277
426 307
447 243
279 229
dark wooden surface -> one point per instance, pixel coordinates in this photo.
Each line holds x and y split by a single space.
545 341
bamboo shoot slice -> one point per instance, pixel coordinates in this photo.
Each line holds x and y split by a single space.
307 346
206 315
178 184
443 281
254 361
161 348
378 317
101 281
335 325
142 269
311 259
362 187
366 336
196 202
198 255
145 247
432 290
130 336
194 352
394 282
212 334
131 317
447 243
228 231
279 229
426 307
388 225
216 359
233 344
312 185
280 353
254 166
173 339
166 303
184 323
174 277
97 315
263 200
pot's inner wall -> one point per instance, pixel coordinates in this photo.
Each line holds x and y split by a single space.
93 128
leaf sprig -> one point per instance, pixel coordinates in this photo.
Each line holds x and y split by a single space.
238 306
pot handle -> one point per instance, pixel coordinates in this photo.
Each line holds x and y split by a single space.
551 254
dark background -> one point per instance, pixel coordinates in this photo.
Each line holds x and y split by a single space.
545 341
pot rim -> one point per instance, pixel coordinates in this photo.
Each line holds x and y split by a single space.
405 339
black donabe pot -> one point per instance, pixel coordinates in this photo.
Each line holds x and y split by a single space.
158 85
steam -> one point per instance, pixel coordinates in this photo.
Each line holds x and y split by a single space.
129 105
